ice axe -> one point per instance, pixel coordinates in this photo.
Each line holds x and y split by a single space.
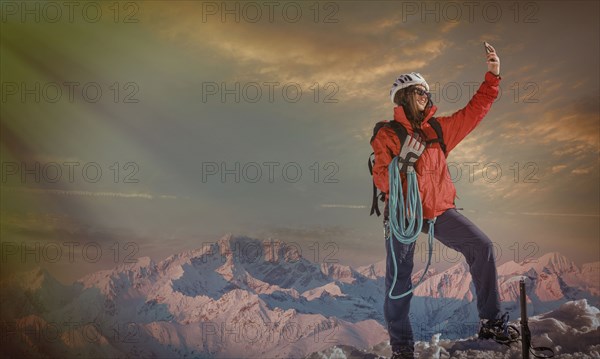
526 339
526 334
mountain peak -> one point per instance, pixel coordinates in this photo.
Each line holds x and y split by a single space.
339 272
373 271
225 239
138 263
553 262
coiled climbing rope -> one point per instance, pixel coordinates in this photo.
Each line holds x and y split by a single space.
406 221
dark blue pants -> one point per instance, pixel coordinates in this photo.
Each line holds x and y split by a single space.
457 232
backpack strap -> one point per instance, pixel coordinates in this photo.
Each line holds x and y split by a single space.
374 205
440 135
399 129
395 125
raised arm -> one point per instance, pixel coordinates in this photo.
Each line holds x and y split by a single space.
458 125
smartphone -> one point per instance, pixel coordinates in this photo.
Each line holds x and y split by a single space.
488 49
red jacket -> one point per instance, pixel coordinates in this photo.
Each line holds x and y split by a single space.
435 185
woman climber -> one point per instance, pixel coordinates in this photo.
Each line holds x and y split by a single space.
422 152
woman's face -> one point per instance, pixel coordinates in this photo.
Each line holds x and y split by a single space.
420 100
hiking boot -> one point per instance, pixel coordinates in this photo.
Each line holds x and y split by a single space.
499 330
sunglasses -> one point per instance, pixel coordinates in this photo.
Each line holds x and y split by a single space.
421 92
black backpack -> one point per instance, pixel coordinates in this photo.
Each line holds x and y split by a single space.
401 132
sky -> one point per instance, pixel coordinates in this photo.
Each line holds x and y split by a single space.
151 127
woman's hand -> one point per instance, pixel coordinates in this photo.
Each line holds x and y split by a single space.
493 61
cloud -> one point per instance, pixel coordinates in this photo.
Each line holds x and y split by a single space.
574 150
557 168
559 214
582 171
357 56
352 206
89 193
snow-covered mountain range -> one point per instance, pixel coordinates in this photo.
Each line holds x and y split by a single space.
245 298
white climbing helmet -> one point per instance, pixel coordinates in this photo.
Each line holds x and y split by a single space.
405 80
